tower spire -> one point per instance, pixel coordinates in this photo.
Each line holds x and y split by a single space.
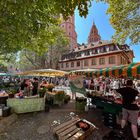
93 35
93 22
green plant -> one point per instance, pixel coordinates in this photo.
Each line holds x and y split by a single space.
81 99
59 96
42 92
80 103
12 91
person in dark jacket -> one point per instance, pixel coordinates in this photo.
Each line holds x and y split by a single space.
130 109
35 86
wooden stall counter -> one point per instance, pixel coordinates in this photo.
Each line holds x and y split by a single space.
70 131
26 105
3 98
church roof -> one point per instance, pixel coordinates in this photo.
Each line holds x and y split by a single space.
94 34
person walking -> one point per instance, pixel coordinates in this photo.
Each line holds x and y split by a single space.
130 108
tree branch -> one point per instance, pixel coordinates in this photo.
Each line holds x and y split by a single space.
31 60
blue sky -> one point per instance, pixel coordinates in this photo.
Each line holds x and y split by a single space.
97 14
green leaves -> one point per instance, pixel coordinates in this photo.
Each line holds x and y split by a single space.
26 24
68 7
20 21
125 19
31 24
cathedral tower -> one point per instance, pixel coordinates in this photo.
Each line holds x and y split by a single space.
93 35
69 27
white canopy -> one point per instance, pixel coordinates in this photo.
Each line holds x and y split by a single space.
44 72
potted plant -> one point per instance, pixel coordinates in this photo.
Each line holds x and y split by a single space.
42 92
11 93
80 103
59 97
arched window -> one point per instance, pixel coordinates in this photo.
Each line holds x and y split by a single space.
72 64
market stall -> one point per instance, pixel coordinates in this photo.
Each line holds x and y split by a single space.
22 103
25 105
111 106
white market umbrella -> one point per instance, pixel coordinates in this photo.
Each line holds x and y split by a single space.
44 72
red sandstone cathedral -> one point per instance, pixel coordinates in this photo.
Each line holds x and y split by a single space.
96 54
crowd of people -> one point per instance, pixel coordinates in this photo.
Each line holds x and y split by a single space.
105 85
30 86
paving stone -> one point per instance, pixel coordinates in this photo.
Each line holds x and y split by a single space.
7 121
42 129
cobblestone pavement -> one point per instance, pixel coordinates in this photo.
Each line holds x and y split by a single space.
37 126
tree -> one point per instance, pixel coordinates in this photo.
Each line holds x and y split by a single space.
7 60
67 7
23 22
125 19
29 59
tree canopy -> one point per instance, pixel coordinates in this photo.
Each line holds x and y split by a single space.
125 19
31 24
25 23
22 21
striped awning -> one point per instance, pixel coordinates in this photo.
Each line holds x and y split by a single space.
131 70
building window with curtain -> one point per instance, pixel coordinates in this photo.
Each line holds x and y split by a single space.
101 50
93 61
112 60
102 61
112 48
78 63
72 64
67 65
85 62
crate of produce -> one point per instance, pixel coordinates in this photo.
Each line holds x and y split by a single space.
70 130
